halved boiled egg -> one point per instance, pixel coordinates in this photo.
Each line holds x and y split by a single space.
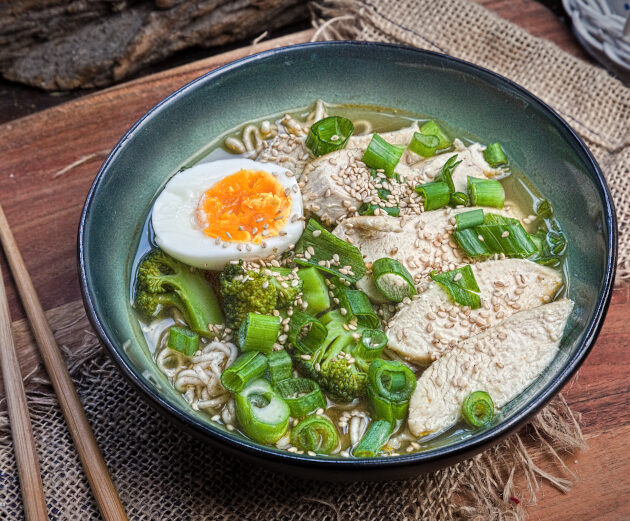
225 210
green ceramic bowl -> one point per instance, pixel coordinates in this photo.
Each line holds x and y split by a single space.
468 97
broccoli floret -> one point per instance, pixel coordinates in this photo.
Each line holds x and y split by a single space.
344 380
244 293
164 282
287 293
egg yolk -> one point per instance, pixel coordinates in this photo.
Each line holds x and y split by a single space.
247 206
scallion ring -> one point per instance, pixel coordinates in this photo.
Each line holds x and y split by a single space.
329 134
392 279
303 396
478 409
258 333
381 155
315 433
424 145
436 195
306 333
183 340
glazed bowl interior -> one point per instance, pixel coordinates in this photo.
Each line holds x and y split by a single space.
465 96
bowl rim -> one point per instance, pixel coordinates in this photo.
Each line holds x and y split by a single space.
444 454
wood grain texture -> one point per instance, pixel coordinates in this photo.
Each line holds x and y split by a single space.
20 421
35 148
91 458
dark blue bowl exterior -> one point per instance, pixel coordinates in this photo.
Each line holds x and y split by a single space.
378 68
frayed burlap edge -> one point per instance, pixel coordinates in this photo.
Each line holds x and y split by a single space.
593 102
482 488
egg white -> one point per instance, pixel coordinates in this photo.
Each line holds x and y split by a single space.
179 235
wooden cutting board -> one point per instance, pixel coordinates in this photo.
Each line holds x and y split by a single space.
48 162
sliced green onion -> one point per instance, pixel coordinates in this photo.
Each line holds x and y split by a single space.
373 440
436 195
431 128
424 145
497 234
469 241
392 279
329 134
306 333
371 346
357 304
280 366
258 333
458 199
302 395
461 285
324 245
368 209
469 219
314 290
390 385
183 340
381 155
262 414
494 155
245 368
446 173
544 209
551 246
315 433
478 409
486 192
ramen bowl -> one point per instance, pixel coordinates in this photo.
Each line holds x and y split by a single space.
541 144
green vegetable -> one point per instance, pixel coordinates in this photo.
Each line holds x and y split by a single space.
314 290
302 395
288 290
469 219
262 414
164 282
368 209
544 209
390 385
497 234
306 333
357 304
458 199
494 155
424 145
243 293
371 346
551 246
258 333
342 379
245 368
329 134
324 245
392 279
436 195
280 367
431 128
486 192
373 440
478 409
183 340
446 173
382 156
461 285
315 433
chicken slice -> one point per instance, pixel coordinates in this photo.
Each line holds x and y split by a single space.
425 328
503 361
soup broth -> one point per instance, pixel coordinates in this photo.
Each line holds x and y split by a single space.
198 377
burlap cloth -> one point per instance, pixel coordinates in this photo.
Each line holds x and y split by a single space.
164 474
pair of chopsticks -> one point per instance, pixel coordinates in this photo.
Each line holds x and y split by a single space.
24 444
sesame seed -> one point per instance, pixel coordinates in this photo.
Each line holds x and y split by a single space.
317 233
505 234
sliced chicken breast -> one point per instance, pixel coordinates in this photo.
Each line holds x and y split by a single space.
503 361
431 323
422 242
395 137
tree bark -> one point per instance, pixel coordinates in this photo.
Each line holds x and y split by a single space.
61 45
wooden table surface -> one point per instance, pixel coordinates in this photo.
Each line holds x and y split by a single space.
48 161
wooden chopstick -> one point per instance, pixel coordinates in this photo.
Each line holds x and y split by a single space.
93 464
19 419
